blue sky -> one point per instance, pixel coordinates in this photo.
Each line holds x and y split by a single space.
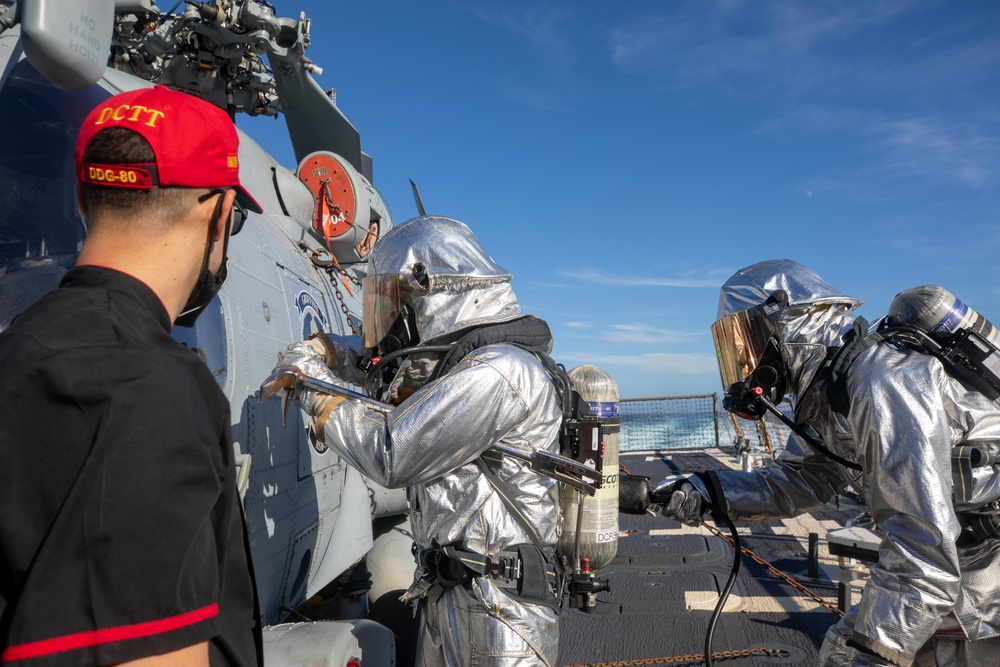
624 159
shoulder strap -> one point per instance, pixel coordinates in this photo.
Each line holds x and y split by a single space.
527 331
856 341
506 495
569 401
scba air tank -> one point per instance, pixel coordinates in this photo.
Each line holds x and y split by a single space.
599 525
936 310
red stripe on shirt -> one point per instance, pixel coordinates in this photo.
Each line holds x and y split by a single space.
106 635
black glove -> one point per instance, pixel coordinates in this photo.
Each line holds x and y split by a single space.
681 498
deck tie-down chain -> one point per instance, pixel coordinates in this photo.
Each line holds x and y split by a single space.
697 658
776 572
691 659
770 568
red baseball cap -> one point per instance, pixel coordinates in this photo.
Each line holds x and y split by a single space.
195 143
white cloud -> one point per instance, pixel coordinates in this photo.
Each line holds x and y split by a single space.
540 33
781 44
930 148
711 278
535 98
538 25
646 335
652 362
844 70
577 325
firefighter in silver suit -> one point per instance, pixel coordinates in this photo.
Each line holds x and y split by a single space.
431 287
934 596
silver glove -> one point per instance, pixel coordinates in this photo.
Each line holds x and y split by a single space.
307 358
341 354
681 498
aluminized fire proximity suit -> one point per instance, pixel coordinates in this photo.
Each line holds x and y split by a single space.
430 441
928 601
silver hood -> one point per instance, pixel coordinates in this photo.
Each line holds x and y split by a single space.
752 285
466 286
817 317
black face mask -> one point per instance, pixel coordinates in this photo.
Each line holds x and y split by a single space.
381 363
209 283
403 333
769 381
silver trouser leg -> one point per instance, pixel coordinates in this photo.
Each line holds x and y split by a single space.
966 654
836 653
463 629
936 653
429 649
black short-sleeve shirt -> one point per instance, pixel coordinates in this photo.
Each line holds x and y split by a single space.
121 534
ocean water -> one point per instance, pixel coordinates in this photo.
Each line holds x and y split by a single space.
689 422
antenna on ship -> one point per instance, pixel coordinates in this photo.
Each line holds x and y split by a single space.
416 198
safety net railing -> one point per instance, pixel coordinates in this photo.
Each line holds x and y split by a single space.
669 422
691 422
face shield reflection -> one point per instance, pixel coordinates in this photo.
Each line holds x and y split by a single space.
382 298
740 340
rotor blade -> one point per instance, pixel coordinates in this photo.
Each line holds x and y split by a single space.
314 121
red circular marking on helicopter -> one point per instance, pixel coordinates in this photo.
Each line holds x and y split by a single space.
331 186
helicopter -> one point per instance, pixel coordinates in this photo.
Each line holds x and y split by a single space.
318 529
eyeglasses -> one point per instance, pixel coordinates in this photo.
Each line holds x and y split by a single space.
239 213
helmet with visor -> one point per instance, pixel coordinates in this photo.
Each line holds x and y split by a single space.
766 310
389 321
747 345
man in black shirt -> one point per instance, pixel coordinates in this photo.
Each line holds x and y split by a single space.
121 536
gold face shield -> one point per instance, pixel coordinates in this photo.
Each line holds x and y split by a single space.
382 298
740 342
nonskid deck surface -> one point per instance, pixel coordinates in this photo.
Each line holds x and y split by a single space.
666 579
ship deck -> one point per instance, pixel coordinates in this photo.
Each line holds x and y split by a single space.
667 577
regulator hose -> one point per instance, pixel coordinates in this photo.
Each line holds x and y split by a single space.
373 376
737 553
636 496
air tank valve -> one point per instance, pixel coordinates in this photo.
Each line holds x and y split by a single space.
584 588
